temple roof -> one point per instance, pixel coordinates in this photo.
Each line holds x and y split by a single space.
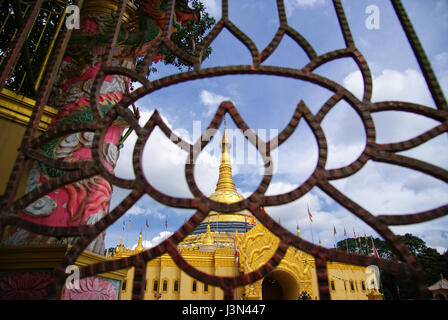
441 284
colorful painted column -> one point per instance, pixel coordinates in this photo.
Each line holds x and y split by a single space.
87 201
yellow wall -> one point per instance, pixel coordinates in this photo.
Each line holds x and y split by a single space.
340 273
11 134
164 269
15 111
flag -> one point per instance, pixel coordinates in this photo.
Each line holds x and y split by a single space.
147 224
252 220
345 233
374 249
320 243
129 223
123 225
354 233
334 230
166 223
310 215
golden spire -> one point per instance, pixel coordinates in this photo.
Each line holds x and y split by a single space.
225 180
208 236
298 232
139 247
225 187
117 248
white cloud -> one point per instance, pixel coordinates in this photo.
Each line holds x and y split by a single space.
211 100
304 3
154 241
138 210
213 7
392 85
291 5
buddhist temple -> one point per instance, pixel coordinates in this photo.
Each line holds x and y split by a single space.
230 244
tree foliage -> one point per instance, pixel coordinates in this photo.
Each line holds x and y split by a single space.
395 286
188 38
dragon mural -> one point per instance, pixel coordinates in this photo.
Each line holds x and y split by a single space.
87 201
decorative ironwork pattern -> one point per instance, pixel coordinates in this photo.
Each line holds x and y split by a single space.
321 177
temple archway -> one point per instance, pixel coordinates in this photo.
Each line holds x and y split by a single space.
280 285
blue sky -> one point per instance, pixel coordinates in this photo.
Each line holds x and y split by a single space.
267 103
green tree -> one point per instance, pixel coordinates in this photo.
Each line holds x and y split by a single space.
399 287
190 36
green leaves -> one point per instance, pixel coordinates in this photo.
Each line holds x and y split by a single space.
190 35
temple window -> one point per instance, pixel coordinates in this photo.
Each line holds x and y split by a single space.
155 286
165 286
352 285
176 286
194 286
333 288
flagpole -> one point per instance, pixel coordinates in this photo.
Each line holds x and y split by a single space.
147 227
312 236
334 236
311 224
366 242
356 240
346 242
127 231
375 253
166 228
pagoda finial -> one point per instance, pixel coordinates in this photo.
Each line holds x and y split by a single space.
225 180
208 236
298 232
139 247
